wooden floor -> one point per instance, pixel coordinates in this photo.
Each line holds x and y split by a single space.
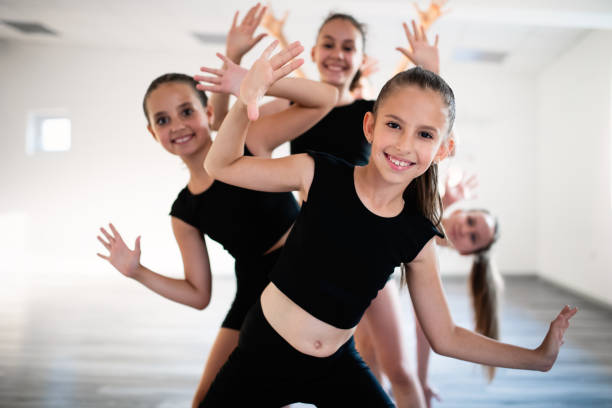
115 344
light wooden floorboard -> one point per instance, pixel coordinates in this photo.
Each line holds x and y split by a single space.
116 344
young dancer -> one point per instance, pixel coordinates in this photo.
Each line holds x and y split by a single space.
356 225
252 226
338 44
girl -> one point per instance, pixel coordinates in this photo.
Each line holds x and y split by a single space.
338 53
252 226
356 225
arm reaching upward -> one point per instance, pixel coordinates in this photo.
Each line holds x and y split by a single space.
312 101
225 160
240 40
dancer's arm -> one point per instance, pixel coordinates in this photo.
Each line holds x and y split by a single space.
423 354
453 341
194 290
225 160
313 100
240 40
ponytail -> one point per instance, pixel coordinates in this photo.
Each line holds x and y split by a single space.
485 285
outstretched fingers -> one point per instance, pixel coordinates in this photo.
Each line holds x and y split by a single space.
287 69
293 50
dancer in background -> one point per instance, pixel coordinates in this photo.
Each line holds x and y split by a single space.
252 226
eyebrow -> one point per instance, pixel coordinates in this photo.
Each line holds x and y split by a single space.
329 37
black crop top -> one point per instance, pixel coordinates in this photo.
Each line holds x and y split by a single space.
339 254
339 133
245 222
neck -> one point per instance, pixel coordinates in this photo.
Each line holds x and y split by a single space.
199 179
378 195
344 94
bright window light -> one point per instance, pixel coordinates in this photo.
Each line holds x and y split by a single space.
48 131
55 135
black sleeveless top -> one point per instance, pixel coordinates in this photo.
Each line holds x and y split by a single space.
339 133
339 254
246 222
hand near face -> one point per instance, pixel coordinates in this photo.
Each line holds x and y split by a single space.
265 72
226 80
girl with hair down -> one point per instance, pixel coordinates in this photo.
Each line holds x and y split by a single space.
355 226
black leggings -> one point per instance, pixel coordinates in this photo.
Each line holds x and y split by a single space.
266 371
252 276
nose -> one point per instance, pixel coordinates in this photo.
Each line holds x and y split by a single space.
405 142
337 52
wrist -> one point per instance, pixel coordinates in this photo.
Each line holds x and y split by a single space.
136 273
235 57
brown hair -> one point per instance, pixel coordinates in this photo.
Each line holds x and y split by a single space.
486 284
172 77
423 191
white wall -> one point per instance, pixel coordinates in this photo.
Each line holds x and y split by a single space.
116 172
575 208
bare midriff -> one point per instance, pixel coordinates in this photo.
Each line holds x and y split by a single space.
300 329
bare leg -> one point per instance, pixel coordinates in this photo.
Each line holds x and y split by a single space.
225 343
363 344
385 330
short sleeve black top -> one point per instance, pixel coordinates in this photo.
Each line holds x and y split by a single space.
246 222
339 133
339 254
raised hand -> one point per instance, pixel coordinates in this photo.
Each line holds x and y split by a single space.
463 189
273 25
120 256
240 36
433 12
421 52
227 80
266 71
370 66
549 348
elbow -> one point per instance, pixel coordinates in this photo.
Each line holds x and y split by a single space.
442 344
211 168
334 94
201 304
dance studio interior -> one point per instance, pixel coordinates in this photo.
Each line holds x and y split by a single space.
533 146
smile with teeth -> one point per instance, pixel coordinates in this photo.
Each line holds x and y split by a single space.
182 139
335 67
397 163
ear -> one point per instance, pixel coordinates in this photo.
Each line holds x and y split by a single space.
312 53
209 113
150 129
446 149
368 126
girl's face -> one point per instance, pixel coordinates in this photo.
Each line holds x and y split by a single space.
338 52
177 119
408 133
469 231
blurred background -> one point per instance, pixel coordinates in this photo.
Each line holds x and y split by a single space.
533 82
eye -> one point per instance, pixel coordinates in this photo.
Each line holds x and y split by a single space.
328 45
473 238
162 120
425 135
393 125
348 49
471 221
187 112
